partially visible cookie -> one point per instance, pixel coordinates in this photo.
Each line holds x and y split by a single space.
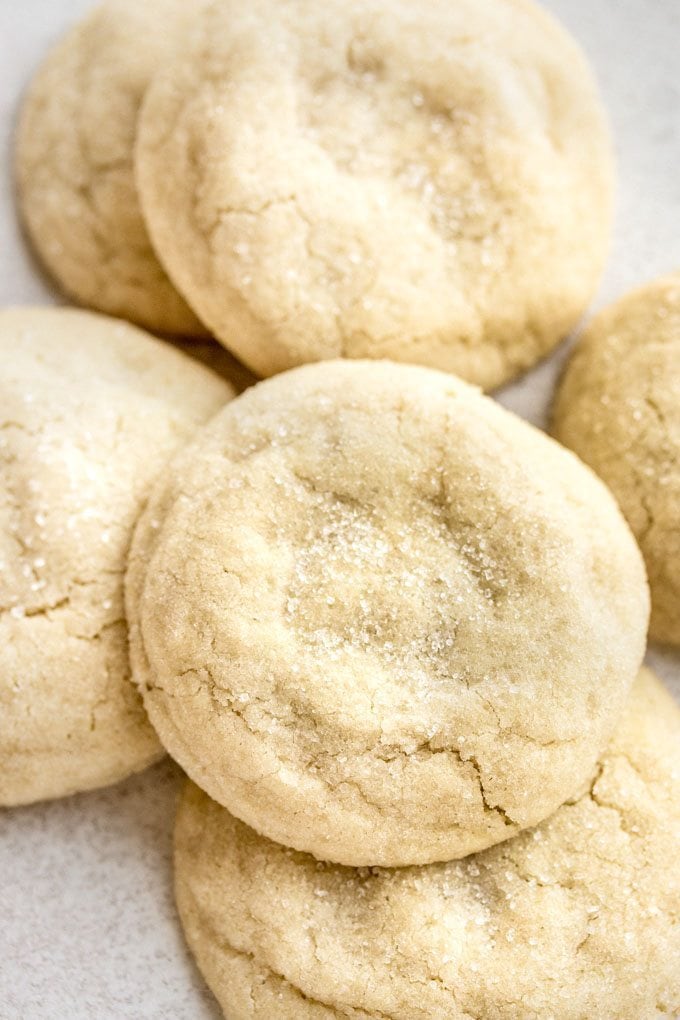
380 618
90 410
429 183
74 161
577 919
618 407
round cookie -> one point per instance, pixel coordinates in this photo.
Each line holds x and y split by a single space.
90 410
75 162
576 919
429 183
380 618
618 407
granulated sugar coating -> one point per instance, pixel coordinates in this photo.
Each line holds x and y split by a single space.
380 618
428 182
90 410
574 920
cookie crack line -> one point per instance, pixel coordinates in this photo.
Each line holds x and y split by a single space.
223 700
374 750
495 809
20 612
235 210
608 805
326 264
653 406
227 947
312 1000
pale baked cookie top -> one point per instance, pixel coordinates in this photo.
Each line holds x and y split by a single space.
75 167
380 618
574 920
618 407
90 409
427 182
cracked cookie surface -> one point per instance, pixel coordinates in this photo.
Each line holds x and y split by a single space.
578 918
618 407
380 618
429 183
75 162
90 409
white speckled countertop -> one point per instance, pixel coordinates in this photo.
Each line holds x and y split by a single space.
87 924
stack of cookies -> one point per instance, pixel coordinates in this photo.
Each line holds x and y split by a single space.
391 632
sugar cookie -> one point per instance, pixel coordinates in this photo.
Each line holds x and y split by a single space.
429 182
574 920
618 407
75 167
90 409
380 618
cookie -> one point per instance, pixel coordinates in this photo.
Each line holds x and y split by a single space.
573 920
75 168
618 407
428 183
90 410
381 619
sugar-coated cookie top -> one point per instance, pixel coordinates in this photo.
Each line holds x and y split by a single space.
379 617
90 410
428 182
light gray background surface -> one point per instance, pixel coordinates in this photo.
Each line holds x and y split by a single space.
88 929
